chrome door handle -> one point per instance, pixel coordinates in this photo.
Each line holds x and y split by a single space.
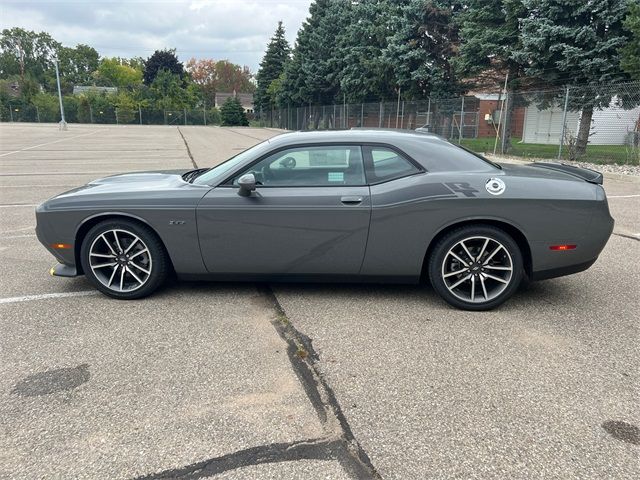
351 200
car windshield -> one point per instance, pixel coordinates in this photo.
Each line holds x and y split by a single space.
218 172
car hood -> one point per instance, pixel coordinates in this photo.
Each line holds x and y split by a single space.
137 178
158 188
130 182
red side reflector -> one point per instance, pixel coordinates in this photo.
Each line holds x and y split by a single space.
60 246
562 247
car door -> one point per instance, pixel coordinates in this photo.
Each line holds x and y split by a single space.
309 215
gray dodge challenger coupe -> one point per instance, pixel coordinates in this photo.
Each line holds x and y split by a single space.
355 205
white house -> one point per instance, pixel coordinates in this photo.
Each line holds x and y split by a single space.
610 126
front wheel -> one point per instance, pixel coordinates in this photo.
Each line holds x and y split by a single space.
476 267
123 259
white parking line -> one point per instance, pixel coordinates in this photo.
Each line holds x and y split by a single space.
622 196
45 296
18 236
21 229
38 186
12 205
49 143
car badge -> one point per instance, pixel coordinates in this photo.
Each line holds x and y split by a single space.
495 186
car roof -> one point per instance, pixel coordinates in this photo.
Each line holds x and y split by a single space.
360 135
433 152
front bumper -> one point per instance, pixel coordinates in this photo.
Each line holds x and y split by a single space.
62 270
49 232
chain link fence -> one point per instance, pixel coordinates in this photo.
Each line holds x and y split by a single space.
594 123
78 113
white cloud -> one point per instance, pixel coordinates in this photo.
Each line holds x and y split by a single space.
220 29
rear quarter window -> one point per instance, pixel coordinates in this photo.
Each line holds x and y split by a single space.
388 164
442 156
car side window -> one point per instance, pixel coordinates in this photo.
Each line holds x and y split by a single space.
387 164
321 166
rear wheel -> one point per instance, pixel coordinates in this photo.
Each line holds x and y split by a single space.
123 259
476 267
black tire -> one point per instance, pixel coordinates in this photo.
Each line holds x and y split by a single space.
154 260
475 235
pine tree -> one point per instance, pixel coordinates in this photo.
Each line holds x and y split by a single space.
366 74
313 75
232 113
271 68
489 35
631 52
573 42
423 46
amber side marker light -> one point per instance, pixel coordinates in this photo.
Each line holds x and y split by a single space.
59 246
562 247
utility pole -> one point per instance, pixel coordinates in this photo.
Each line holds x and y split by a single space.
344 110
564 122
461 126
495 145
398 107
63 123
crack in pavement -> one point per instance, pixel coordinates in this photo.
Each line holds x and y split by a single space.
338 441
245 134
625 235
317 449
186 144
304 360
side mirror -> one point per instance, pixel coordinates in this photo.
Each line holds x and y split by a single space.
247 184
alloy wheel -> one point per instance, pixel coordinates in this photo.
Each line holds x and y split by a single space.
120 260
477 269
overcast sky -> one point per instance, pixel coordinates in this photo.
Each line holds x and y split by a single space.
221 29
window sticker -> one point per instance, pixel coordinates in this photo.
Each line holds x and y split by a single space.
335 176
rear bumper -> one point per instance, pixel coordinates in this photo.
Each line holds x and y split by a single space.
552 264
562 271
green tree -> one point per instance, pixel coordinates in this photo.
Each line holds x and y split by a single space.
367 73
113 72
78 64
271 68
168 91
575 42
161 60
630 60
275 90
313 74
127 107
489 36
47 105
96 107
232 113
423 46
25 52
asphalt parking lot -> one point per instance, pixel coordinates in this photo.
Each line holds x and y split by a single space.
300 381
